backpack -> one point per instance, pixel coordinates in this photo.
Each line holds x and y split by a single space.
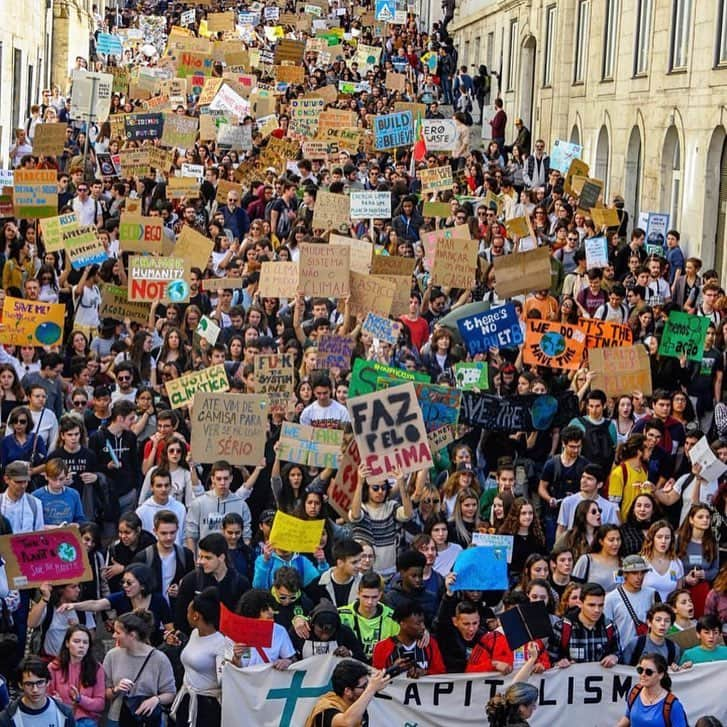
665 707
671 651
597 444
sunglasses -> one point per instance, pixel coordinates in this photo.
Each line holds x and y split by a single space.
597 511
20 421
123 378
431 501
645 670
174 450
377 488
80 402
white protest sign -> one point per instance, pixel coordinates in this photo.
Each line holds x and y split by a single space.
496 541
439 134
712 468
365 205
91 95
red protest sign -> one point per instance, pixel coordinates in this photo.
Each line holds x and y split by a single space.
248 631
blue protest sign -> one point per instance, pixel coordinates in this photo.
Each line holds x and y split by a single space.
385 10
109 44
498 327
481 569
382 328
392 130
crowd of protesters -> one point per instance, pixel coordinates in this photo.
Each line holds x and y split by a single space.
615 530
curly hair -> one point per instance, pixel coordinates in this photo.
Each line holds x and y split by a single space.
511 525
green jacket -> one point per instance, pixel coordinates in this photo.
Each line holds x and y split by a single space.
369 631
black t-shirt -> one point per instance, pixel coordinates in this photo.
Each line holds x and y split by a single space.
78 462
325 719
341 592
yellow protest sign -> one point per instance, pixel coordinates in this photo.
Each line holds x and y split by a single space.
295 535
182 390
31 322
53 229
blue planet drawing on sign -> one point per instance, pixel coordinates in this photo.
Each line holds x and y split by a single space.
48 333
552 344
177 291
543 411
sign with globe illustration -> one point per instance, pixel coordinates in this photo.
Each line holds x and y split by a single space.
554 345
31 322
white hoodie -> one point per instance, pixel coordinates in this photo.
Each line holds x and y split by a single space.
149 508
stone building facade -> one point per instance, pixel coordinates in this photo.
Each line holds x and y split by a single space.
641 84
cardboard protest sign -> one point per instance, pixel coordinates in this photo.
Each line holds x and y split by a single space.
83 247
53 229
230 427
192 247
49 139
181 391
140 234
392 265
220 22
382 328
440 438
304 113
335 352
139 127
134 162
331 211
590 193
55 556
577 168
522 272
436 178
179 131
395 81
343 485
153 278
604 334
684 336
182 188
481 569
439 134
455 261
402 293
473 375
296 535
605 217
289 50
31 322
621 370
554 345
35 193
323 270
278 279
192 63
498 327
370 204
436 209
115 304
290 74
389 430
392 130
252 632
312 446
369 293
275 376
360 252
596 252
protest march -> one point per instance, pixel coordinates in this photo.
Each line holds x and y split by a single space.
325 406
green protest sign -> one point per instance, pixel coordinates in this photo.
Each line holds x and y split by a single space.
684 336
469 376
366 373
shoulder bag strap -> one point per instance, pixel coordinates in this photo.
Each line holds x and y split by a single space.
637 621
143 666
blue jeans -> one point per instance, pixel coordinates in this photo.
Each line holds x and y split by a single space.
446 83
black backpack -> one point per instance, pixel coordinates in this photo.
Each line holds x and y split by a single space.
597 443
671 651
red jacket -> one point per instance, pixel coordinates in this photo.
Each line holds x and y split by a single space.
385 655
493 646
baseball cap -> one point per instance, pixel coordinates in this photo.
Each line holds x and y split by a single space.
18 470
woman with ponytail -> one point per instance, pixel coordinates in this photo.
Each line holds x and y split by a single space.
651 703
514 706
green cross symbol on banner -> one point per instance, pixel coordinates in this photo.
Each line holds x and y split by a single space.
293 693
